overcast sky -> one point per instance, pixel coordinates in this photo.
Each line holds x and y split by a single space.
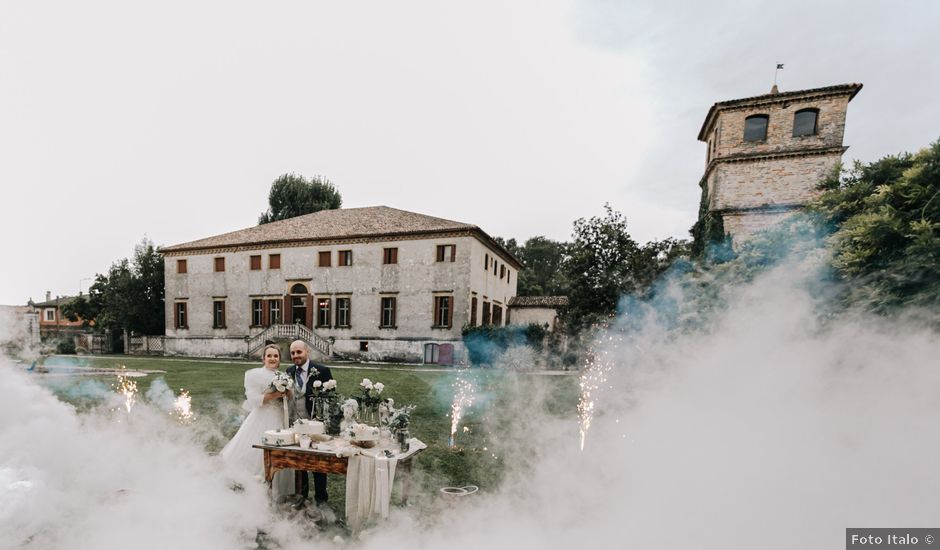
170 121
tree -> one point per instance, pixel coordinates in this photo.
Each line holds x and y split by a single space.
885 224
604 264
598 267
293 195
129 297
543 274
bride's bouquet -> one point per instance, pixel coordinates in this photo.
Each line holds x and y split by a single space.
282 382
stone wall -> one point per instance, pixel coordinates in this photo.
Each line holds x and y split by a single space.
768 181
538 315
744 225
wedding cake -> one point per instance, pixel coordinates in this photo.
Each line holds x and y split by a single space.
362 432
308 427
279 438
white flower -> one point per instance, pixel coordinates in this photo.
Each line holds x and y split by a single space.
317 384
329 385
365 382
379 387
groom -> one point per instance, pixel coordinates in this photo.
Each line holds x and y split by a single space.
305 373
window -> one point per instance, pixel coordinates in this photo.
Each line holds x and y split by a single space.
363 345
486 261
388 312
50 314
502 271
497 315
218 314
486 314
274 312
443 311
255 263
389 256
804 122
325 259
755 128
220 264
446 252
181 266
495 263
342 312
473 311
323 312
257 313
274 261
298 289
181 316
344 258
508 275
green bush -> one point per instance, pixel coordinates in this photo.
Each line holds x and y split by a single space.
66 347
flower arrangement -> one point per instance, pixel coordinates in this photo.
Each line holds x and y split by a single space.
401 418
371 392
282 382
323 389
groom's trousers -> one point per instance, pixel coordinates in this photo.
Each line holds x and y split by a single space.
319 486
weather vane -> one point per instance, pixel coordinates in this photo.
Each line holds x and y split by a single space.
779 68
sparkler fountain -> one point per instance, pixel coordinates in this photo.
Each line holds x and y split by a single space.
464 395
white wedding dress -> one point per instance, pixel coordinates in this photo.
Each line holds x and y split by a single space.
239 453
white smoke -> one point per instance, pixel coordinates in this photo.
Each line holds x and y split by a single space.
773 428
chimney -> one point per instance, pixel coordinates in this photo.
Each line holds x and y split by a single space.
774 90
48 295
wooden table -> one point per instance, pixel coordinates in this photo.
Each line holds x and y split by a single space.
295 458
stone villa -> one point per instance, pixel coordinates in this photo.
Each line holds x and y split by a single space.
766 154
371 283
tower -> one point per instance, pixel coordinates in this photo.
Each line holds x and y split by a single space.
766 155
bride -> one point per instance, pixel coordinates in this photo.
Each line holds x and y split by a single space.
265 413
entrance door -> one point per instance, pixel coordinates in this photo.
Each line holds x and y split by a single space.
298 310
446 354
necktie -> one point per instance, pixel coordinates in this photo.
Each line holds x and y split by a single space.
300 378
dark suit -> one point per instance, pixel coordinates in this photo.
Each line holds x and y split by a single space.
322 374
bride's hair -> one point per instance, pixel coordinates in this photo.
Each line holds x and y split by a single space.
275 347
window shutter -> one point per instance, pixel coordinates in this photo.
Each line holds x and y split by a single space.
453 252
287 314
310 311
450 311
394 255
176 315
266 313
223 314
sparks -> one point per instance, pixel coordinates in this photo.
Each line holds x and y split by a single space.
128 388
463 398
183 406
593 377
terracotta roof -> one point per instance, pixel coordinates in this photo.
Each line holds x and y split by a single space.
343 223
60 301
538 301
851 89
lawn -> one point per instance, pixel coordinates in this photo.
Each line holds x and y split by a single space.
216 388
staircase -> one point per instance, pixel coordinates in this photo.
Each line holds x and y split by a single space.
297 331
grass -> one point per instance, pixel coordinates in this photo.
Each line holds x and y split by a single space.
475 460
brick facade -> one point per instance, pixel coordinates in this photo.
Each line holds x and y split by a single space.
753 184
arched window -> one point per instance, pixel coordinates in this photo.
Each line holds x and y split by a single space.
804 122
298 289
755 128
